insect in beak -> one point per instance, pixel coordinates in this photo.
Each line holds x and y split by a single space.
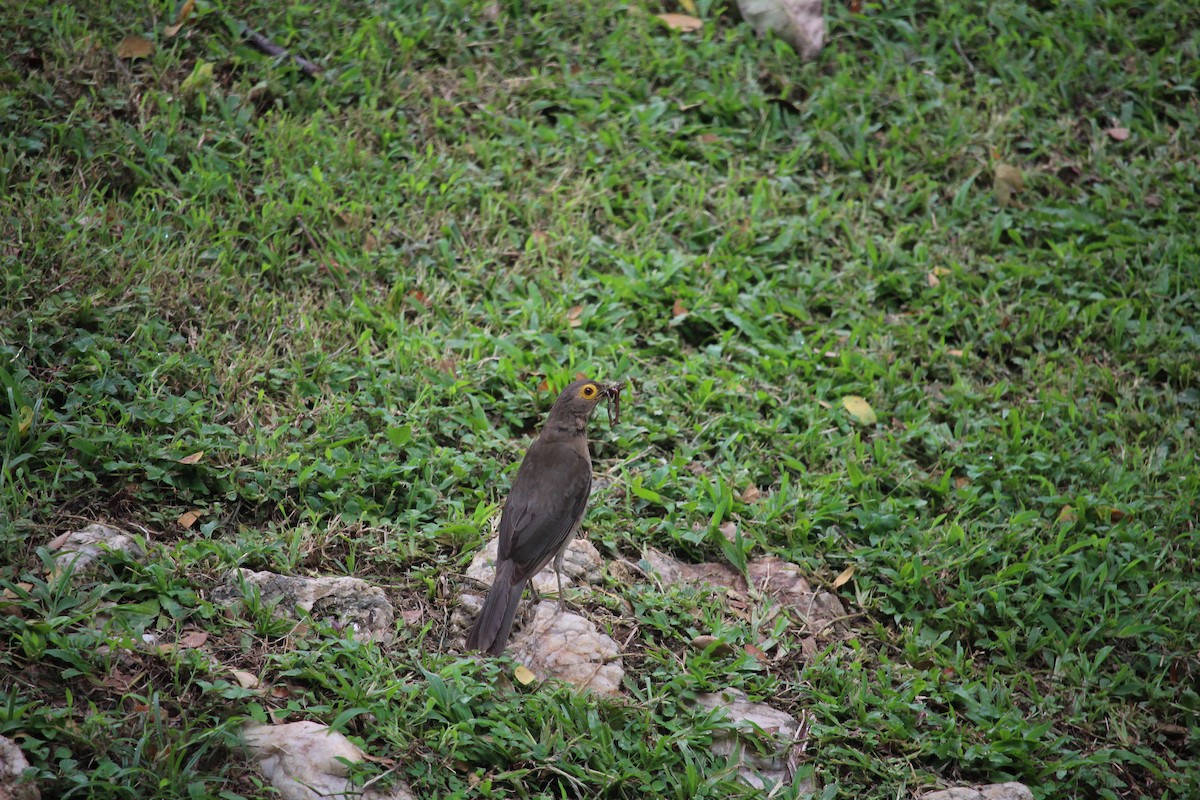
612 393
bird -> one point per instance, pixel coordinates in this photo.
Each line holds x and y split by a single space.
544 507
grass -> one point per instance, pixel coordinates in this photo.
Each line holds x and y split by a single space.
353 293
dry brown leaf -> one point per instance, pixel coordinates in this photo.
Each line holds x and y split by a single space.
194 458
932 279
185 11
728 529
1006 182
704 641
955 352
679 309
133 46
844 578
681 22
194 639
751 494
411 616
1118 134
1066 514
573 315
962 482
754 651
188 518
860 409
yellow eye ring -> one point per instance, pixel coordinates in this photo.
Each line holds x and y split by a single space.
588 391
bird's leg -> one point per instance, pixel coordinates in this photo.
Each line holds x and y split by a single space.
558 562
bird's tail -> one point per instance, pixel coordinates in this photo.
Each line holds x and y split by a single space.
494 622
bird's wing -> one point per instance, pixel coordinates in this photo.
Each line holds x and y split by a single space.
546 502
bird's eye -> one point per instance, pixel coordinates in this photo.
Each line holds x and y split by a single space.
589 390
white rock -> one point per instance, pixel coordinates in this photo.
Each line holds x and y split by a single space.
303 761
12 764
782 729
994 791
349 602
566 646
80 551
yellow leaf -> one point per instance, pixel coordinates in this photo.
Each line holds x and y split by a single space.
844 578
524 675
1006 182
25 416
188 518
681 22
193 458
201 78
134 47
860 409
184 12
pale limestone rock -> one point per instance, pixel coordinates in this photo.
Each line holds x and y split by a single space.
12 764
80 551
800 23
782 731
566 646
302 761
817 611
349 602
995 791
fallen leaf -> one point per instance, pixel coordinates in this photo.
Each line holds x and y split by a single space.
1066 514
524 675
200 79
411 616
707 138
754 651
728 529
1113 514
860 409
1118 134
193 458
679 309
681 22
932 279
185 11
705 641
25 417
420 297
962 482
132 47
247 680
955 352
844 578
188 518
751 494
194 639
448 366
573 314
1006 182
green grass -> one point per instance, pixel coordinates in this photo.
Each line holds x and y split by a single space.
346 293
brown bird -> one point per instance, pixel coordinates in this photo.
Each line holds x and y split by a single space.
544 508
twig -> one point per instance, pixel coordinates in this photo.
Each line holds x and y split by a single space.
270 48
